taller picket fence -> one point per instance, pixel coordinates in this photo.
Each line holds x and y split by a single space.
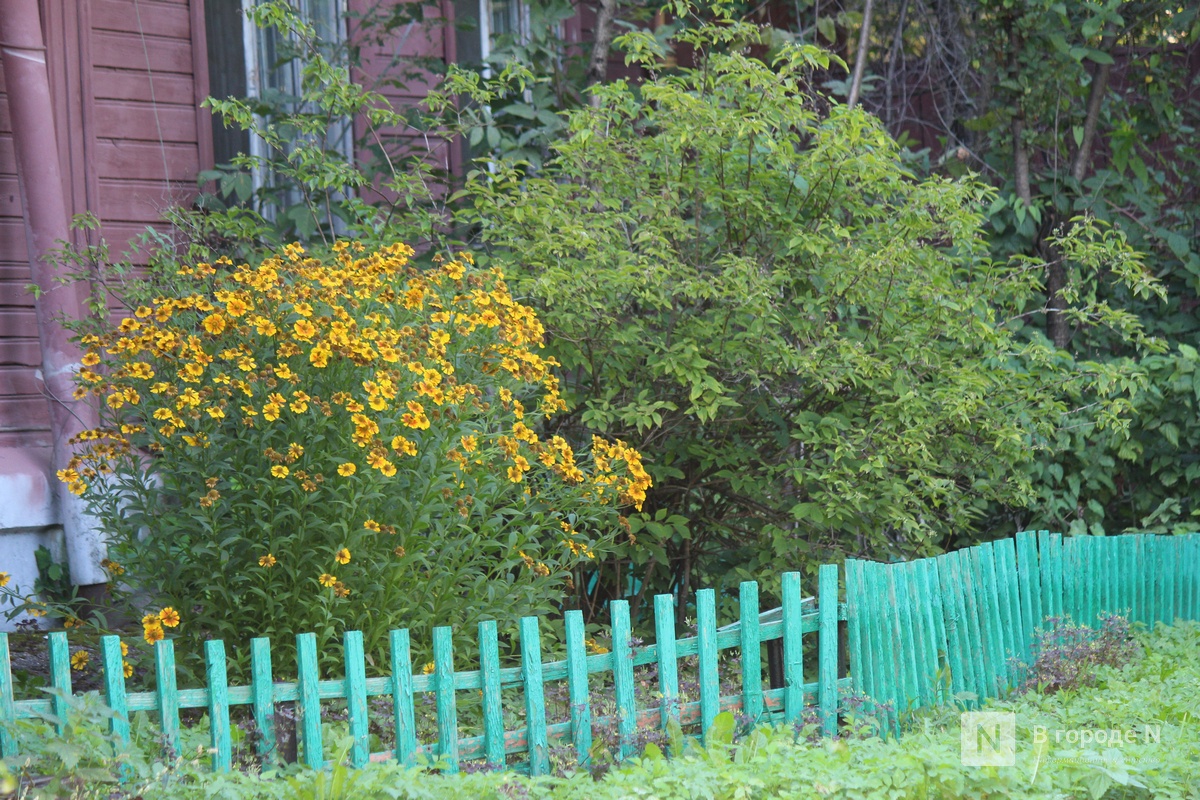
964 623
917 633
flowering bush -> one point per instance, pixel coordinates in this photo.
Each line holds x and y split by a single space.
339 442
1066 654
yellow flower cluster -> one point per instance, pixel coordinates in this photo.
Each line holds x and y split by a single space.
153 624
379 354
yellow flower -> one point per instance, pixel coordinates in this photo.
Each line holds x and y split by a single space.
342 556
341 590
267 561
372 525
80 659
236 307
72 622
279 471
214 324
5 578
304 330
169 617
124 650
150 619
346 469
128 669
153 633
112 567
326 579
428 668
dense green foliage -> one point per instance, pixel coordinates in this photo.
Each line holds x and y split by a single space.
1159 690
819 350
809 340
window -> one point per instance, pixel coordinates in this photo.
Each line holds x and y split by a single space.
247 61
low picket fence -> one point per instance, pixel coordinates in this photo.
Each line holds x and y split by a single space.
526 748
963 623
918 633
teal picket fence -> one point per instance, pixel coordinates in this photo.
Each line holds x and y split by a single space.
963 623
526 748
916 633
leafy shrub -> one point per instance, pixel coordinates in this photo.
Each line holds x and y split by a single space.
750 282
1066 654
331 442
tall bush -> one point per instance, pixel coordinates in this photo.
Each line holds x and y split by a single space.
323 442
816 345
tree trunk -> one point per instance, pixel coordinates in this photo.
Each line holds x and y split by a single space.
598 63
860 60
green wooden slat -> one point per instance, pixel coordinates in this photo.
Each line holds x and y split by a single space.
710 689
493 710
1006 573
854 626
668 667
897 581
577 680
535 698
1029 577
752 650
979 613
309 702
1193 572
262 689
883 668
1170 568
1058 565
993 601
793 649
60 679
356 698
1164 559
218 705
1072 605
1005 553
167 693
1095 578
1146 588
8 709
114 687
827 646
1072 602
1000 597
623 687
1112 572
925 668
403 718
1045 557
443 691
968 650
952 624
1153 564
1126 565
936 614
972 613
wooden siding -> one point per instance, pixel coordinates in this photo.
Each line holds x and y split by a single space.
131 140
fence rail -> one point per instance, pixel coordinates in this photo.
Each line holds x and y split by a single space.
496 745
915 631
